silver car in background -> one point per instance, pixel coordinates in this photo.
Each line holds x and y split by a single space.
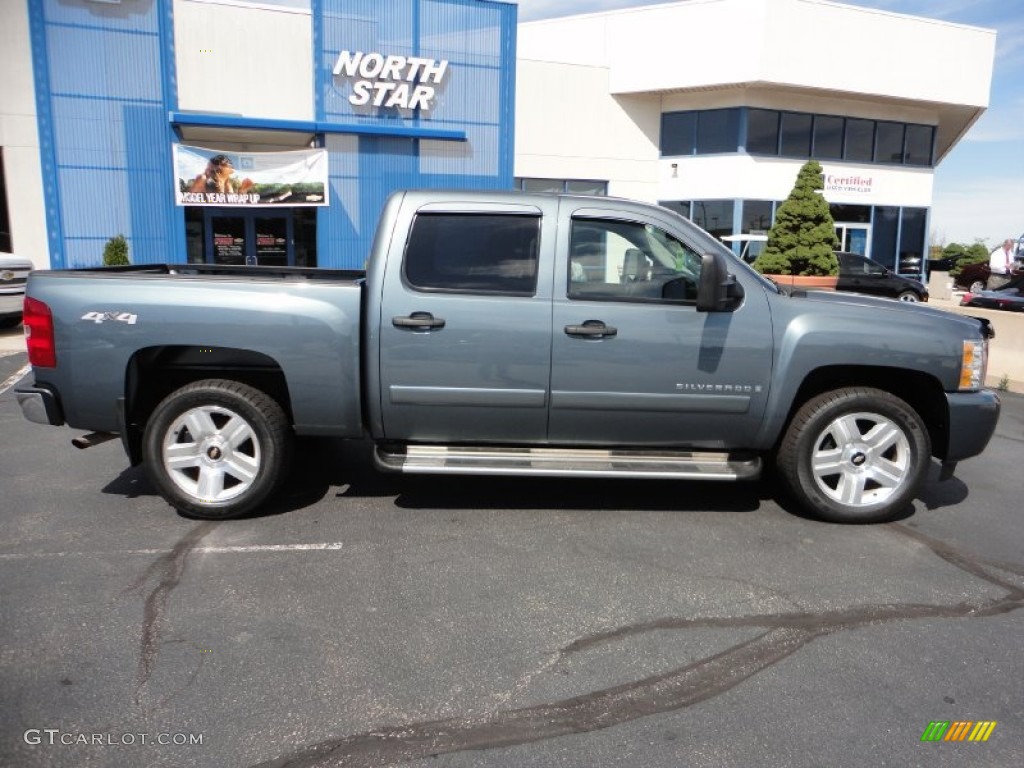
13 276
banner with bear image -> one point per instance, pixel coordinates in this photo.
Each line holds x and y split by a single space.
231 179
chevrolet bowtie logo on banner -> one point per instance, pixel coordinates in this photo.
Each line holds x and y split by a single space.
229 179
958 730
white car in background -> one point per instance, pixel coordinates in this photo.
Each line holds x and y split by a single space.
13 276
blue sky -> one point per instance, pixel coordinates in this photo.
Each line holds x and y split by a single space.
979 186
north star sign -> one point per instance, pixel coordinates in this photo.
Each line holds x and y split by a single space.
408 82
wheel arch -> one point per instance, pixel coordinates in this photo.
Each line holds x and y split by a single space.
154 372
919 390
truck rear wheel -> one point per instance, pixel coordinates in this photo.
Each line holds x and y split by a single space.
855 455
216 449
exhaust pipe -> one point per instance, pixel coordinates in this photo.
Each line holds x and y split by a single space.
93 438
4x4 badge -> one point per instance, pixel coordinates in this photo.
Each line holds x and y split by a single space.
120 317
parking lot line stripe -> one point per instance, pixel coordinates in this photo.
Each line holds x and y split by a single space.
15 378
332 546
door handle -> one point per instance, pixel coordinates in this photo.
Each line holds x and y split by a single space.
418 321
591 329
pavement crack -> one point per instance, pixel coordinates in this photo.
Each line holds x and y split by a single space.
678 688
785 633
169 569
975 566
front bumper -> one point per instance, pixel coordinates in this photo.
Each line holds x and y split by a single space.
40 405
12 303
972 421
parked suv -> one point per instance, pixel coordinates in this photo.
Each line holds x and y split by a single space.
859 274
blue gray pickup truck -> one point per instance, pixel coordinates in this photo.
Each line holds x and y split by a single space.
510 334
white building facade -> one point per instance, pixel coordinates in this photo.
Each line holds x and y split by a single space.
710 107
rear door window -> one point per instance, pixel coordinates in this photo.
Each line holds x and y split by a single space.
473 253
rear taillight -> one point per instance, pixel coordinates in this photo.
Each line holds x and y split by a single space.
38 322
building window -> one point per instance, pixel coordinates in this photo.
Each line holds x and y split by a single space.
542 185
572 186
796 135
473 253
860 141
5 219
708 132
884 229
305 236
718 131
912 229
831 137
678 133
851 214
828 137
762 131
583 187
714 216
919 145
757 216
889 143
682 207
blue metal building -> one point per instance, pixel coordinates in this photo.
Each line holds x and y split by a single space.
117 83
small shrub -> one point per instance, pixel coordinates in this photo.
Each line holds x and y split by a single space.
115 252
975 253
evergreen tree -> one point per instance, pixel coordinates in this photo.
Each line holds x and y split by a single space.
803 238
115 252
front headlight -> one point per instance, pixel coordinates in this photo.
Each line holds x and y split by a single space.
973 365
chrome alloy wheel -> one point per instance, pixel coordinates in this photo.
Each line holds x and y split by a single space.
861 459
211 453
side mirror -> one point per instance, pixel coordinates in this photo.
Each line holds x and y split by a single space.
718 290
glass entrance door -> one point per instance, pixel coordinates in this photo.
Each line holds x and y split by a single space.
853 238
250 237
273 241
229 244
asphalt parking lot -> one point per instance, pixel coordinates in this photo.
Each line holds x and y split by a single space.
377 620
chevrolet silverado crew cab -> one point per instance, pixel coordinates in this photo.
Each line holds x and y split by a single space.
511 334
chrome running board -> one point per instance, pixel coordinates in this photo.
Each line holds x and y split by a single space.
562 462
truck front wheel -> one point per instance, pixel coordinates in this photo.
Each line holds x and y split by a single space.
855 455
216 449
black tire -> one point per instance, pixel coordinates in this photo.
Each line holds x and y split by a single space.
237 458
877 444
910 296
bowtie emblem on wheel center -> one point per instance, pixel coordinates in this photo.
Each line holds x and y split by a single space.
858 459
214 450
